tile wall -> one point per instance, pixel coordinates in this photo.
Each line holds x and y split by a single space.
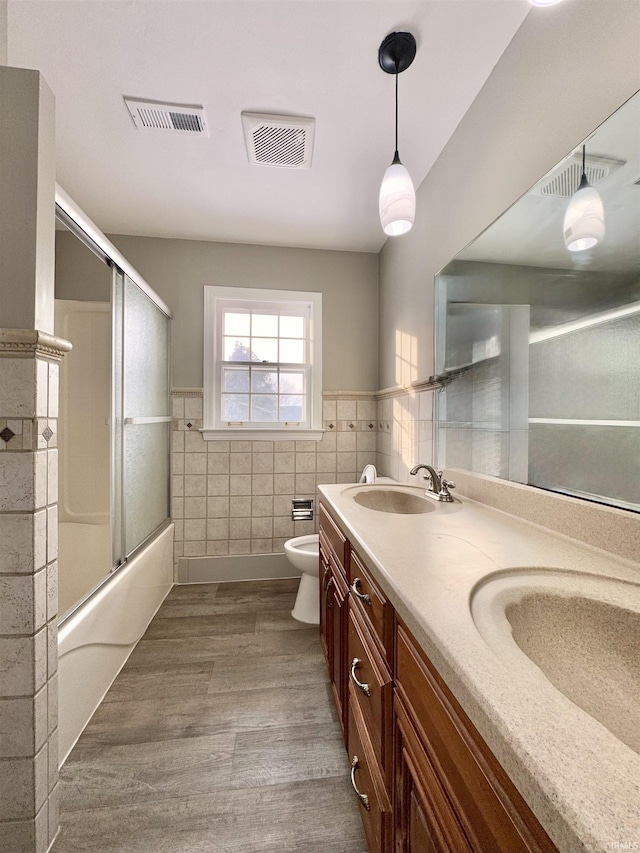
234 497
405 432
28 599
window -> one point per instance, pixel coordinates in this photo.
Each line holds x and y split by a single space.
262 369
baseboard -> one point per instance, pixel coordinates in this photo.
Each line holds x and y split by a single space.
244 567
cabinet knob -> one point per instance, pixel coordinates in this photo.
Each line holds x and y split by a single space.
355 663
365 599
364 799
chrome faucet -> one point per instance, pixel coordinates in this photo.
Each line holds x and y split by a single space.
438 487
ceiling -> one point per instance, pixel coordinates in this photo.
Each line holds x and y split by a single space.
294 57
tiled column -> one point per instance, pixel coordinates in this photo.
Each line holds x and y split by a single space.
28 467
28 589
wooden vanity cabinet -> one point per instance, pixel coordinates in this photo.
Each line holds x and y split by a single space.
333 609
426 782
449 788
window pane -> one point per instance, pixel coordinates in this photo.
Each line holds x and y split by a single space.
292 383
236 324
292 351
264 325
236 380
265 381
264 349
291 327
235 407
291 408
237 349
264 407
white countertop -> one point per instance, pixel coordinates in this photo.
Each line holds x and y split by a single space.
581 782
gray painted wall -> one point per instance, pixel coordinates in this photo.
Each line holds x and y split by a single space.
348 281
554 84
3 32
178 270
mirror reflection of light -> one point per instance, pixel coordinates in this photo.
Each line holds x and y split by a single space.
584 219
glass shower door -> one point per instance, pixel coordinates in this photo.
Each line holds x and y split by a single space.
145 417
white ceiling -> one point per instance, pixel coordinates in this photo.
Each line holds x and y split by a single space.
299 57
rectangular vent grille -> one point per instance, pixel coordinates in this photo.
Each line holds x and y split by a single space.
284 141
566 180
185 119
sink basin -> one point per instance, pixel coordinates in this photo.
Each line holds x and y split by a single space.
581 632
401 500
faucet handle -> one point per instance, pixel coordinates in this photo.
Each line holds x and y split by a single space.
445 485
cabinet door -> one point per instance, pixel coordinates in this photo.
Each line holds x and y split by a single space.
325 578
337 628
424 819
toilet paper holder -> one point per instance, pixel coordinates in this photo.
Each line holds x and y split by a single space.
302 509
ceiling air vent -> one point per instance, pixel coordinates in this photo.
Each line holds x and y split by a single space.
566 180
285 141
185 119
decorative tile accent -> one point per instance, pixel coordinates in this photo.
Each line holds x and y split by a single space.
47 432
7 434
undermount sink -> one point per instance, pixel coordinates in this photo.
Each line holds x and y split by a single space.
403 500
582 632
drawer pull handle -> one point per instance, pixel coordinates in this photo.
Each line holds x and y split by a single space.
365 599
364 799
327 569
355 663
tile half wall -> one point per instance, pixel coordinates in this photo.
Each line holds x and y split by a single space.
234 497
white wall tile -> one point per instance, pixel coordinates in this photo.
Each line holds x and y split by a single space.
346 410
17 538
54 389
17 482
17 388
52 533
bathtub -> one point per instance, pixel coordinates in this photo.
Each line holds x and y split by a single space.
95 641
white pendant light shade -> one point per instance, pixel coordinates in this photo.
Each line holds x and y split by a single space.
397 200
544 2
584 219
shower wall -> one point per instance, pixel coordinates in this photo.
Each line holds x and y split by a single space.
84 541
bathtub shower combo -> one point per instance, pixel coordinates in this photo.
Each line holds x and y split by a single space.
115 549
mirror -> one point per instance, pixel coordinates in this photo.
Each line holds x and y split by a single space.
538 347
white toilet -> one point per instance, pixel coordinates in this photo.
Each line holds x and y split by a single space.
303 552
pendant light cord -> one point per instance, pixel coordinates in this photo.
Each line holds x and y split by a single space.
584 156
396 154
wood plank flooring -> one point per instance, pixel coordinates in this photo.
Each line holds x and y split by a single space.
218 736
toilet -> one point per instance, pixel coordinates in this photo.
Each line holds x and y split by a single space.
303 552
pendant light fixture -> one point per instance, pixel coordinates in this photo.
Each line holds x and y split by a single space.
584 219
397 196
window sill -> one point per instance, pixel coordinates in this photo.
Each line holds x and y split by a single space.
262 434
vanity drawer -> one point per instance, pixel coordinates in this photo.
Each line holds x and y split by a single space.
372 686
488 807
367 782
372 605
334 537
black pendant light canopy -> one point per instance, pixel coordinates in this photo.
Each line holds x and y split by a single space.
397 52
397 203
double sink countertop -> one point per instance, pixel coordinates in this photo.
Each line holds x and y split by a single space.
580 780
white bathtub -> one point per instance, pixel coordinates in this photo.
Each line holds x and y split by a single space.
95 642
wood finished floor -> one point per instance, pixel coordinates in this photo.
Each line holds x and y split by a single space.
218 736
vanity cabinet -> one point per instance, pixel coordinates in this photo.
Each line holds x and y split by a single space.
450 791
425 780
333 609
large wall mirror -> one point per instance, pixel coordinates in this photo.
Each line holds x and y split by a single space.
539 345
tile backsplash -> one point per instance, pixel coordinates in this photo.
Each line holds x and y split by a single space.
234 497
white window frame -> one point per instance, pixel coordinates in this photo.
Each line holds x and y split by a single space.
214 428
